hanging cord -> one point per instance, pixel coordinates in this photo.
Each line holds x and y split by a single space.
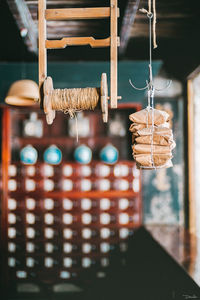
150 83
154 25
149 12
150 15
151 89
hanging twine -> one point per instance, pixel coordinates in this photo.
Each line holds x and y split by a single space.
150 108
72 101
151 95
149 13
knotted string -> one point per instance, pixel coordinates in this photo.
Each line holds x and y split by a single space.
72 114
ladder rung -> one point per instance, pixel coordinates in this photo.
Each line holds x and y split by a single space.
77 41
78 13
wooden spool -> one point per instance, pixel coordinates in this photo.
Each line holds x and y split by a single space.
48 88
47 102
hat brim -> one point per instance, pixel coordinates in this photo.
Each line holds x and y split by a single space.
18 101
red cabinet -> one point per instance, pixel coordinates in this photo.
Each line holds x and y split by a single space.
60 221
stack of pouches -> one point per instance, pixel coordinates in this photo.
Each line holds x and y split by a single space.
152 145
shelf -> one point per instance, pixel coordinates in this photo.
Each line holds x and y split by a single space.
123 206
39 164
76 194
64 140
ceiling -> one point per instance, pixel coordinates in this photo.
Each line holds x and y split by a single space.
178 24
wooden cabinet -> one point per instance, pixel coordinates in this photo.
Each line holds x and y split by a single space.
60 226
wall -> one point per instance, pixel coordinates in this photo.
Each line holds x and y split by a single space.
163 189
163 193
79 74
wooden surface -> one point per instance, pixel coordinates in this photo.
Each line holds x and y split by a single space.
77 41
191 171
24 20
176 19
88 13
127 24
99 194
42 56
113 54
78 13
48 88
182 245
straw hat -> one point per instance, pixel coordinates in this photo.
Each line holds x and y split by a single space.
23 93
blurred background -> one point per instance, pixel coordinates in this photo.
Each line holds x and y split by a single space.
67 206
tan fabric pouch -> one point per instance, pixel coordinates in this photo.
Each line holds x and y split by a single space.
135 127
159 160
164 131
146 149
145 117
157 140
168 164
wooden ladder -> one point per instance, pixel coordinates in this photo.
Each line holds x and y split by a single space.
111 12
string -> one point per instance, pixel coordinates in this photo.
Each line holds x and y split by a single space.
150 106
149 5
149 13
150 83
72 100
152 128
73 115
154 25
151 89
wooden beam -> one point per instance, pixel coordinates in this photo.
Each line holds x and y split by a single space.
77 13
42 57
90 194
113 54
165 30
127 24
25 21
167 15
77 41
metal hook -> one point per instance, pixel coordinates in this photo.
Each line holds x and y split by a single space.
150 83
150 15
166 87
139 89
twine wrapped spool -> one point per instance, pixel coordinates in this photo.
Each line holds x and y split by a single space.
73 100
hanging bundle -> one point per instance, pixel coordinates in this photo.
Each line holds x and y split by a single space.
152 138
